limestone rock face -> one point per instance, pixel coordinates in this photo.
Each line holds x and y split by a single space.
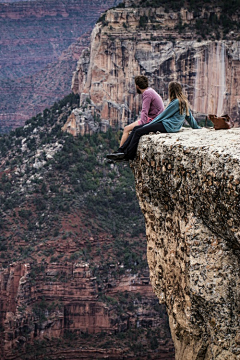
80 122
188 185
133 40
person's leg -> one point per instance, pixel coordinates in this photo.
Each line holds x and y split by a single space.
127 130
120 153
131 149
126 151
124 146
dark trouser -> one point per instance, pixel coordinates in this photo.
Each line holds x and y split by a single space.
129 148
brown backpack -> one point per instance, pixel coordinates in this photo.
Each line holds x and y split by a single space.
221 122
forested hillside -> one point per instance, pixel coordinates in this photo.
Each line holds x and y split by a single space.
63 207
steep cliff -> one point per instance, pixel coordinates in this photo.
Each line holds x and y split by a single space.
188 185
165 45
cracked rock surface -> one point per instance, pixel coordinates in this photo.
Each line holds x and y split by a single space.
188 185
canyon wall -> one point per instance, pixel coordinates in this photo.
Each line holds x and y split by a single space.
135 40
34 34
12 1
63 300
40 43
188 185
25 97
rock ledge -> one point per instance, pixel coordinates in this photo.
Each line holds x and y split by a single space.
188 185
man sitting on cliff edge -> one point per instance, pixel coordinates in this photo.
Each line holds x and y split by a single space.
152 105
169 121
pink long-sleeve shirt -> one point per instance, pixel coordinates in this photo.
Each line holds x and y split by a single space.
152 106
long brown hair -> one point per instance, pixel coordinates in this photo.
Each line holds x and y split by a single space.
175 92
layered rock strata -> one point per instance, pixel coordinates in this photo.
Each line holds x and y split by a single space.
40 43
188 185
134 40
35 33
44 305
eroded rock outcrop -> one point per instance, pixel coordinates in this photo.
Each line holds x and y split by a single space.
135 40
188 186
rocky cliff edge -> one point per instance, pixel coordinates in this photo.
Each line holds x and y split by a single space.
188 185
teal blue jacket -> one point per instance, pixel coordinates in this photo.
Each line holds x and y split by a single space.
172 120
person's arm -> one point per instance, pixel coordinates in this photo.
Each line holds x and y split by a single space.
145 108
192 122
170 110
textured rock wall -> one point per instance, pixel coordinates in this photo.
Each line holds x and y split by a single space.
188 185
123 46
43 307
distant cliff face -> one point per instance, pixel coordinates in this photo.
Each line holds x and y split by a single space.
25 97
188 185
34 34
71 305
148 41
12 1
40 42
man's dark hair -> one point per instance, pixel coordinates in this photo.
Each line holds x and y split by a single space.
141 81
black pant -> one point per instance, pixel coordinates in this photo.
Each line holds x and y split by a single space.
129 148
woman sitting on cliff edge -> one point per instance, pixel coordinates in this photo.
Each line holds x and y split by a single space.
169 121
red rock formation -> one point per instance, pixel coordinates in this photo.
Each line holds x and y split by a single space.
122 48
40 90
25 312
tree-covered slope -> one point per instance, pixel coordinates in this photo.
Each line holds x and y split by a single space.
211 20
63 205
39 189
